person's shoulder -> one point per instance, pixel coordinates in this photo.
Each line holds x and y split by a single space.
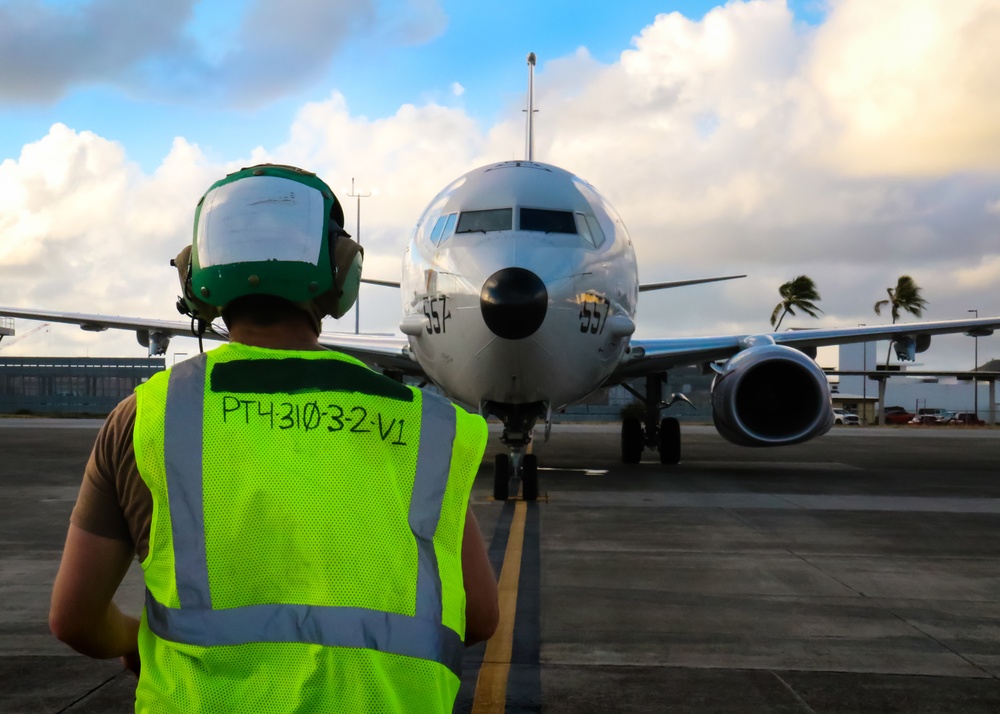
122 417
472 419
344 357
115 437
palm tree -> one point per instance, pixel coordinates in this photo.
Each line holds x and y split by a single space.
799 293
905 296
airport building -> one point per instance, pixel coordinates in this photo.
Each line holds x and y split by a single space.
93 386
71 385
910 387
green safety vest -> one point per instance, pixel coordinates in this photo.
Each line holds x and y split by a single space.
305 545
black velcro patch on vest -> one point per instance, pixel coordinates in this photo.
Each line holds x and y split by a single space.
302 376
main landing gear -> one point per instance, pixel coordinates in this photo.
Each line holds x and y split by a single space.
663 435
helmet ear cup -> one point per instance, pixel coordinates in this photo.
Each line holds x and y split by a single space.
188 304
347 258
337 211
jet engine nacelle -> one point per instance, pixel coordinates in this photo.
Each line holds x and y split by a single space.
771 395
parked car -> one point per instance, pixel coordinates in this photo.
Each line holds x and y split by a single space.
935 417
967 418
842 416
897 415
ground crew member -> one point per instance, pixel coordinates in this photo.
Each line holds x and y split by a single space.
302 521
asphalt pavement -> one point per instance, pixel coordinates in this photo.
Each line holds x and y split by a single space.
855 573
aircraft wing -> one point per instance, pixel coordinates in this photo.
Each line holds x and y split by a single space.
99 323
656 355
390 352
386 351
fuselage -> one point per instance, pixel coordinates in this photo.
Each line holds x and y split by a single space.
519 287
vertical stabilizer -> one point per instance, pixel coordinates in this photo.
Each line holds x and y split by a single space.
529 141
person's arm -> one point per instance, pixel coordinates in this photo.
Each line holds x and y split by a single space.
482 613
82 613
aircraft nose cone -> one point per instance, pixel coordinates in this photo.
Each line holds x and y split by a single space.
514 301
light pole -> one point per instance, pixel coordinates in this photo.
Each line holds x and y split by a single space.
357 301
975 367
864 377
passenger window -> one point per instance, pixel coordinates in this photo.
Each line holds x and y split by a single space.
497 219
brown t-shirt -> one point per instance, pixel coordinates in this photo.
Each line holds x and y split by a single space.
114 501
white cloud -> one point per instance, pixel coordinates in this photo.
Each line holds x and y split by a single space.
409 21
409 156
47 49
980 279
743 142
457 89
911 86
83 230
150 48
63 187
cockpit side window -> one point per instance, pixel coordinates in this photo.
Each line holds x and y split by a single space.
582 228
595 230
538 219
438 229
589 228
497 219
443 229
449 227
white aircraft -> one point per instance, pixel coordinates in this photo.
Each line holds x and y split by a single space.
519 290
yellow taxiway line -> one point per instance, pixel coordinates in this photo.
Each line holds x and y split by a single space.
491 686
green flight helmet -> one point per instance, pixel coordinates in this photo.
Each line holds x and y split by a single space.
270 230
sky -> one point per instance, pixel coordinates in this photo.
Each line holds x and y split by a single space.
846 140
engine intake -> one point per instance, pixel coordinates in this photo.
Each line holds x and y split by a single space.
771 395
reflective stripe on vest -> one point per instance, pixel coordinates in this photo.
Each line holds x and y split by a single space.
423 636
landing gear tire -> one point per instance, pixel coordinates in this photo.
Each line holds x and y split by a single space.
631 440
501 477
529 477
669 444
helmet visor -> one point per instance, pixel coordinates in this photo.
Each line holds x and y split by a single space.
261 219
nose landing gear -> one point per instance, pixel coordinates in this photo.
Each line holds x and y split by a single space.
509 473
518 468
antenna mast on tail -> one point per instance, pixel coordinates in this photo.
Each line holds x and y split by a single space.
529 142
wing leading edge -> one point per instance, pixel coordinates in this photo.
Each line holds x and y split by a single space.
387 351
647 356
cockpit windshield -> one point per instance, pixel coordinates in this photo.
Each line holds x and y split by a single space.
567 222
497 219
541 220
538 219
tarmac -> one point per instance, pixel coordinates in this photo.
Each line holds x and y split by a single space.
855 573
